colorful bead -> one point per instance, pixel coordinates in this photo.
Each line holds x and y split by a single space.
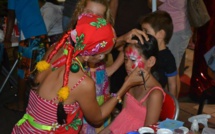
74 67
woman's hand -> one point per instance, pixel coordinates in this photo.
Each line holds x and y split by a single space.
136 77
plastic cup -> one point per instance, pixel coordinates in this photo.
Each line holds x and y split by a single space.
143 130
164 131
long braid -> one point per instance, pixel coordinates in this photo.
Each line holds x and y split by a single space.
68 63
61 114
85 45
58 46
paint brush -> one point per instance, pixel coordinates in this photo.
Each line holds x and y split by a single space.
142 74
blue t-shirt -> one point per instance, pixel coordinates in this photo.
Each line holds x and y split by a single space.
29 18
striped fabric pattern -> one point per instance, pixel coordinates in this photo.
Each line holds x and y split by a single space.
44 112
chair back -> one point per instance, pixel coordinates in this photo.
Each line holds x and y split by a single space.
170 108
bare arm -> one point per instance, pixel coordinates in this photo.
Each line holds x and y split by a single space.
154 105
158 3
172 85
117 63
113 8
9 29
106 130
87 98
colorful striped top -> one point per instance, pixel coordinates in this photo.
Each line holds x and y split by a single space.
44 112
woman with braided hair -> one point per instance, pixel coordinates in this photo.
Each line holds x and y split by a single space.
64 91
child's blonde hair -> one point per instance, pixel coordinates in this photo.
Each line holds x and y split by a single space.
80 9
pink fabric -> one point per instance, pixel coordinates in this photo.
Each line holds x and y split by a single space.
177 10
43 111
132 116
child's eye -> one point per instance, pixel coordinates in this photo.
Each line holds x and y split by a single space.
133 59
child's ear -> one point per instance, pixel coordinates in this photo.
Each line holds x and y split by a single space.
161 34
85 58
151 61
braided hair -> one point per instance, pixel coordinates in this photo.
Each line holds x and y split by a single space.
91 35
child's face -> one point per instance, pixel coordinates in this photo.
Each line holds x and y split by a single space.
95 8
133 59
148 29
98 57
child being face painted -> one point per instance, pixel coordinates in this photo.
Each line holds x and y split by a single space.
142 56
133 59
148 96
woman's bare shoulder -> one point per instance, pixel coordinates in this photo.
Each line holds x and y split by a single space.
83 81
85 89
88 82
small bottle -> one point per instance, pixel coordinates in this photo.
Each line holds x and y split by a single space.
195 127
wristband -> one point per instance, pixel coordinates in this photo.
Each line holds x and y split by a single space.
117 97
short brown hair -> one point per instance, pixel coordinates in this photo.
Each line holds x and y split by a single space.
159 20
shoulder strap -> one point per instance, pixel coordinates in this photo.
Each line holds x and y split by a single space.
82 78
154 88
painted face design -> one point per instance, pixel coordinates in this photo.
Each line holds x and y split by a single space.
133 55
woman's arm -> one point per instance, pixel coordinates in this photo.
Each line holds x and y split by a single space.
85 95
106 130
116 64
154 105
113 8
94 113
